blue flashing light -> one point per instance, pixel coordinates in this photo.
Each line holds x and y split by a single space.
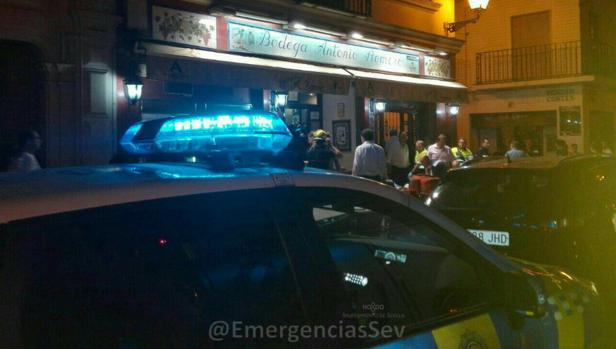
127 140
233 132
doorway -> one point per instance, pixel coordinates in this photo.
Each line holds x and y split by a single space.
21 107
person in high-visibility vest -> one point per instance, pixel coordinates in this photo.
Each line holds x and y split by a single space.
462 153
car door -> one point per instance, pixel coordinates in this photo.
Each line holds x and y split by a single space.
186 272
399 280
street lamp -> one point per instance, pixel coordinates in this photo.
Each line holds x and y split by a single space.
477 6
132 89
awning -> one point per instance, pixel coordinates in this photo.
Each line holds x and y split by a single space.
407 88
173 63
186 65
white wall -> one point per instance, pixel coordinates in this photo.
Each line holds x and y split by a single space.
330 111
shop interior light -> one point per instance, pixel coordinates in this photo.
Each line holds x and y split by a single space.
380 106
246 131
442 53
281 100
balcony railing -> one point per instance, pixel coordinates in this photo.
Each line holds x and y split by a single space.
529 63
356 7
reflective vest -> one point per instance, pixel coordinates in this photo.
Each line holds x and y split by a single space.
462 154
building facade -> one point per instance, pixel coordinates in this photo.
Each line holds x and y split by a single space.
58 77
538 71
337 65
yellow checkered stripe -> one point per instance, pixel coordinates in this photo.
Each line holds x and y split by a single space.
567 309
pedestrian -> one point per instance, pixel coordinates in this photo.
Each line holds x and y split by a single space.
462 153
514 151
24 159
369 161
440 152
605 149
484 148
561 147
573 149
420 151
397 152
529 148
422 168
321 154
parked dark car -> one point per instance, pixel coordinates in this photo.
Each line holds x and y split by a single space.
558 211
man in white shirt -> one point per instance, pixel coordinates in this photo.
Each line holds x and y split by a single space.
369 161
24 160
440 151
397 157
440 156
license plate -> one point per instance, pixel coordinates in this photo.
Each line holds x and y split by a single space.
496 238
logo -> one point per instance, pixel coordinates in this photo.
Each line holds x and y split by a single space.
471 340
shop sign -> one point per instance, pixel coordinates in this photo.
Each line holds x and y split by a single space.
243 38
183 27
560 95
437 67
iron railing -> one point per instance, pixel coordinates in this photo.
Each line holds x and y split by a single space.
356 7
529 63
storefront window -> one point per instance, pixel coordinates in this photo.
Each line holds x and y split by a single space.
570 121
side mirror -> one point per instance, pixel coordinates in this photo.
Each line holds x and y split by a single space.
523 298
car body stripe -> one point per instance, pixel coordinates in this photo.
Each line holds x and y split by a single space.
571 331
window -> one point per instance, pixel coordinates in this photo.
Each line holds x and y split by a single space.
150 274
393 265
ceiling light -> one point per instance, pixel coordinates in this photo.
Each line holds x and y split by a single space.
356 35
299 26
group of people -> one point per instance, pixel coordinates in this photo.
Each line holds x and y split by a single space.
393 162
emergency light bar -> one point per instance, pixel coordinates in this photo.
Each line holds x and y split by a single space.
236 132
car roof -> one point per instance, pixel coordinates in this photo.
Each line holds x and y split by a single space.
535 163
38 193
51 191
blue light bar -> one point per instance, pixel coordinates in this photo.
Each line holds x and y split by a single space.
243 131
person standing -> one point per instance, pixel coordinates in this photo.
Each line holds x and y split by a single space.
440 153
484 149
573 149
605 149
514 151
397 153
369 161
321 154
25 160
461 152
420 152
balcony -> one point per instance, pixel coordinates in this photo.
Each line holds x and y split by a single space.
529 63
356 7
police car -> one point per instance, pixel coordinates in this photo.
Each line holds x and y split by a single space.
161 255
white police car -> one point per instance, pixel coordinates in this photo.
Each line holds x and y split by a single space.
224 250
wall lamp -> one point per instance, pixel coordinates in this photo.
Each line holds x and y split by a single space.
132 89
477 6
